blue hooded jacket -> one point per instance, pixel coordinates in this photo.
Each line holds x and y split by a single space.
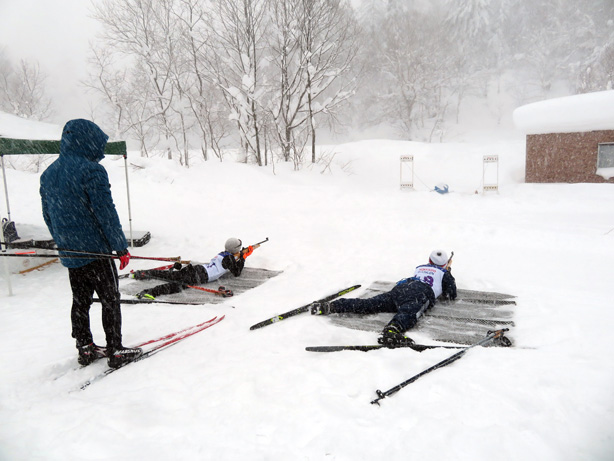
76 196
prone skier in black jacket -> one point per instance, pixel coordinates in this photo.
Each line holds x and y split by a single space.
408 299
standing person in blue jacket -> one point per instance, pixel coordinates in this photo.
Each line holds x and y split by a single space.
79 211
408 299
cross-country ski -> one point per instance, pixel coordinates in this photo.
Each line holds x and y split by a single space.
160 344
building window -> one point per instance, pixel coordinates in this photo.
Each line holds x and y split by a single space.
605 155
605 160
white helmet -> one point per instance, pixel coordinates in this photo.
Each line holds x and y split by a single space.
233 245
438 258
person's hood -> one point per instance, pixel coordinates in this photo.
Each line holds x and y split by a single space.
83 138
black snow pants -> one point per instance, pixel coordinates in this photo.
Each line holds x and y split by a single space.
99 276
407 301
189 275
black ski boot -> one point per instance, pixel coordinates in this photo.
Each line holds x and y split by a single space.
139 275
392 337
122 355
147 294
321 308
90 353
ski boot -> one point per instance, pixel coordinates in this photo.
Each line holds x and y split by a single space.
146 294
90 353
139 275
122 355
392 337
322 308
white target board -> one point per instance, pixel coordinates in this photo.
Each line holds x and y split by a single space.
490 173
407 172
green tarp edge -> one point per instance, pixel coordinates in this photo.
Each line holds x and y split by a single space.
9 146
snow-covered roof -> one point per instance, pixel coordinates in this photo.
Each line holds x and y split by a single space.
12 126
578 113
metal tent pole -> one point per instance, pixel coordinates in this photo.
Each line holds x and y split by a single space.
6 191
128 193
7 273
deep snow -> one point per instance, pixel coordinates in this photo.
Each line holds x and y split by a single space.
580 112
230 393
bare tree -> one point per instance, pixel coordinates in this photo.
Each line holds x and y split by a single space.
288 94
201 95
144 31
312 46
126 95
236 63
329 36
22 89
414 67
470 29
22 93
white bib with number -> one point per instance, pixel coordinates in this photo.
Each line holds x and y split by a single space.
214 268
432 276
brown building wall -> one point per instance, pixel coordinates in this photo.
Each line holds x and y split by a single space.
565 157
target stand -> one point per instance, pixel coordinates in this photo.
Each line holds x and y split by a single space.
490 174
407 172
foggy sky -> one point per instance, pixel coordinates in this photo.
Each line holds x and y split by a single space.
56 34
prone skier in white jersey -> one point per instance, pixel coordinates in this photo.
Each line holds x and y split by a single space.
408 299
232 260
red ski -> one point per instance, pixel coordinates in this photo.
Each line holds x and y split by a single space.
161 343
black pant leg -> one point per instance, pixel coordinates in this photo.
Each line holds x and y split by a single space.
99 276
200 275
164 289
82 293
107 288
192 275
412 300
381 303
164 274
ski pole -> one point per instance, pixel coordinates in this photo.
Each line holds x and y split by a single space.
171 259
35 255
161 268
81 254
221 291
498 334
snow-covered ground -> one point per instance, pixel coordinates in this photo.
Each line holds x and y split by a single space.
234 394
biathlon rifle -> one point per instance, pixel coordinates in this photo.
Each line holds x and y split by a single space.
245 252
449 263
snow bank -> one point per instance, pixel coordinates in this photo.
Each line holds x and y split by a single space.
12 126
